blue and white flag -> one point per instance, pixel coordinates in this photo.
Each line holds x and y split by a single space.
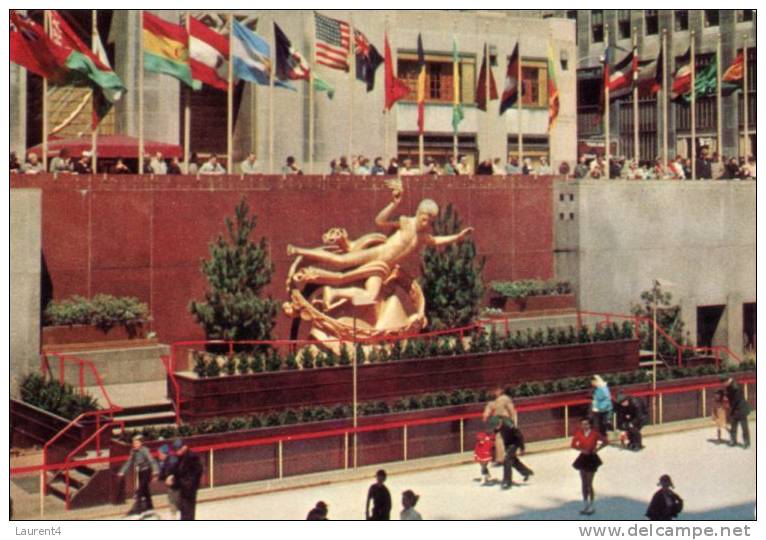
252 57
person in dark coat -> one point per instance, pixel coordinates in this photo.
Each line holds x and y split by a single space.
318 513
630 418
665 504
381 499
513 440
186 475
738 411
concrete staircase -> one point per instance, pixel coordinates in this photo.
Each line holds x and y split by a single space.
118 364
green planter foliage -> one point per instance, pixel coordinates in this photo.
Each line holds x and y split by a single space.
237 271
530 287
451 277
103 310
427 401
52 396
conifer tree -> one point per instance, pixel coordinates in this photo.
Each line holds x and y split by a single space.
451 277
237 271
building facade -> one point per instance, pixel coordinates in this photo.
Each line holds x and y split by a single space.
352 122
597 29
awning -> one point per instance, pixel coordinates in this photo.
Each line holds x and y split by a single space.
109 146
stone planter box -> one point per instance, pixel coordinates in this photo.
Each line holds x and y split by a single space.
533 303
242 394
84 333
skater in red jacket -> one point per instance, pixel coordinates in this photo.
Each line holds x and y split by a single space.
483 453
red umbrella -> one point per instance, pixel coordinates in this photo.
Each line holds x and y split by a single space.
109 146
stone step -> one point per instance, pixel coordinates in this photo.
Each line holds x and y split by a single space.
118 365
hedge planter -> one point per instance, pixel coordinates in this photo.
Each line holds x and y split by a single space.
243 394
84 333
531 304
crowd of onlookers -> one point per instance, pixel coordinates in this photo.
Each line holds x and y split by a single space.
707 166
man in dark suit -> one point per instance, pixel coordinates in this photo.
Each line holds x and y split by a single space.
738 411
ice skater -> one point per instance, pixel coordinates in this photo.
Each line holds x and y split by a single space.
720 414
380 497
666 504
482 453
588 442
147 469
513 440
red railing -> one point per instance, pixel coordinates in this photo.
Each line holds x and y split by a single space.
716 351
521 408
81 364
68 461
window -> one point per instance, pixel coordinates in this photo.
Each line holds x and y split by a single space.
711 17
623 23
534 79
572 14
652 22
439 78
744 15
682 20
597 25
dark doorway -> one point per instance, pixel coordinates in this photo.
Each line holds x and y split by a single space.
708 320
748 325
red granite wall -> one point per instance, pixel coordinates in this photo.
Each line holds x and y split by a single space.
145 236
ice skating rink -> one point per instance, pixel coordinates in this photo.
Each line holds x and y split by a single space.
715 481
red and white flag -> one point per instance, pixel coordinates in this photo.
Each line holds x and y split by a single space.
208 55
333 42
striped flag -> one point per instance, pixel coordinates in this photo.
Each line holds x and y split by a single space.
553 91
735 72
457 106
166 49
208 55
333 42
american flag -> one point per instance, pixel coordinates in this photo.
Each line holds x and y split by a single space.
333 42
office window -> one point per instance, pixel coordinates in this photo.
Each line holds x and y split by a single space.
652 22
711 17
597 25
439 77
623 23
534 79
744 15
682 20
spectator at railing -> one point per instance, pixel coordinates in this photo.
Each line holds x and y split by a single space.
363 166
463 166
82 165
158 164
393 166
61 163
249 165
564 169
343 166
193 166
615 167
716 167
14 164
497 167
748 169
291 167
451 167
377 168
484 168
581 170
512 167
174 167
544 168
676 169
33 165
702 164
431 167
407 169
119 167
212 166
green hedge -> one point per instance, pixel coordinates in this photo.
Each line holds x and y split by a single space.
54 397
530 287
240 363
103 310
419 402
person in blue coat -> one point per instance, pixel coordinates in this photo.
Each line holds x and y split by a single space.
601 406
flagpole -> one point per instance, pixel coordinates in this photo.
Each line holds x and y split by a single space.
746 146
693 109
94 131
230 99
421 150
636 149
141 95
311 103
187 105
519 92
45 102
719 130
272 76
351 77
486 93
456 75
386 113
607 149
665 97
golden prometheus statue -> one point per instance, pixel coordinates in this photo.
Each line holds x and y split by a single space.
347 288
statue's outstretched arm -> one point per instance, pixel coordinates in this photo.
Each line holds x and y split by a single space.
444 240
383 219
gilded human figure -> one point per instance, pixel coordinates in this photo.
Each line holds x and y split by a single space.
357 273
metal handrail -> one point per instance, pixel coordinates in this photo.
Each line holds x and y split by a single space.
81 362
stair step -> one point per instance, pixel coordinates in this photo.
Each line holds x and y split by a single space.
145 409
149 420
